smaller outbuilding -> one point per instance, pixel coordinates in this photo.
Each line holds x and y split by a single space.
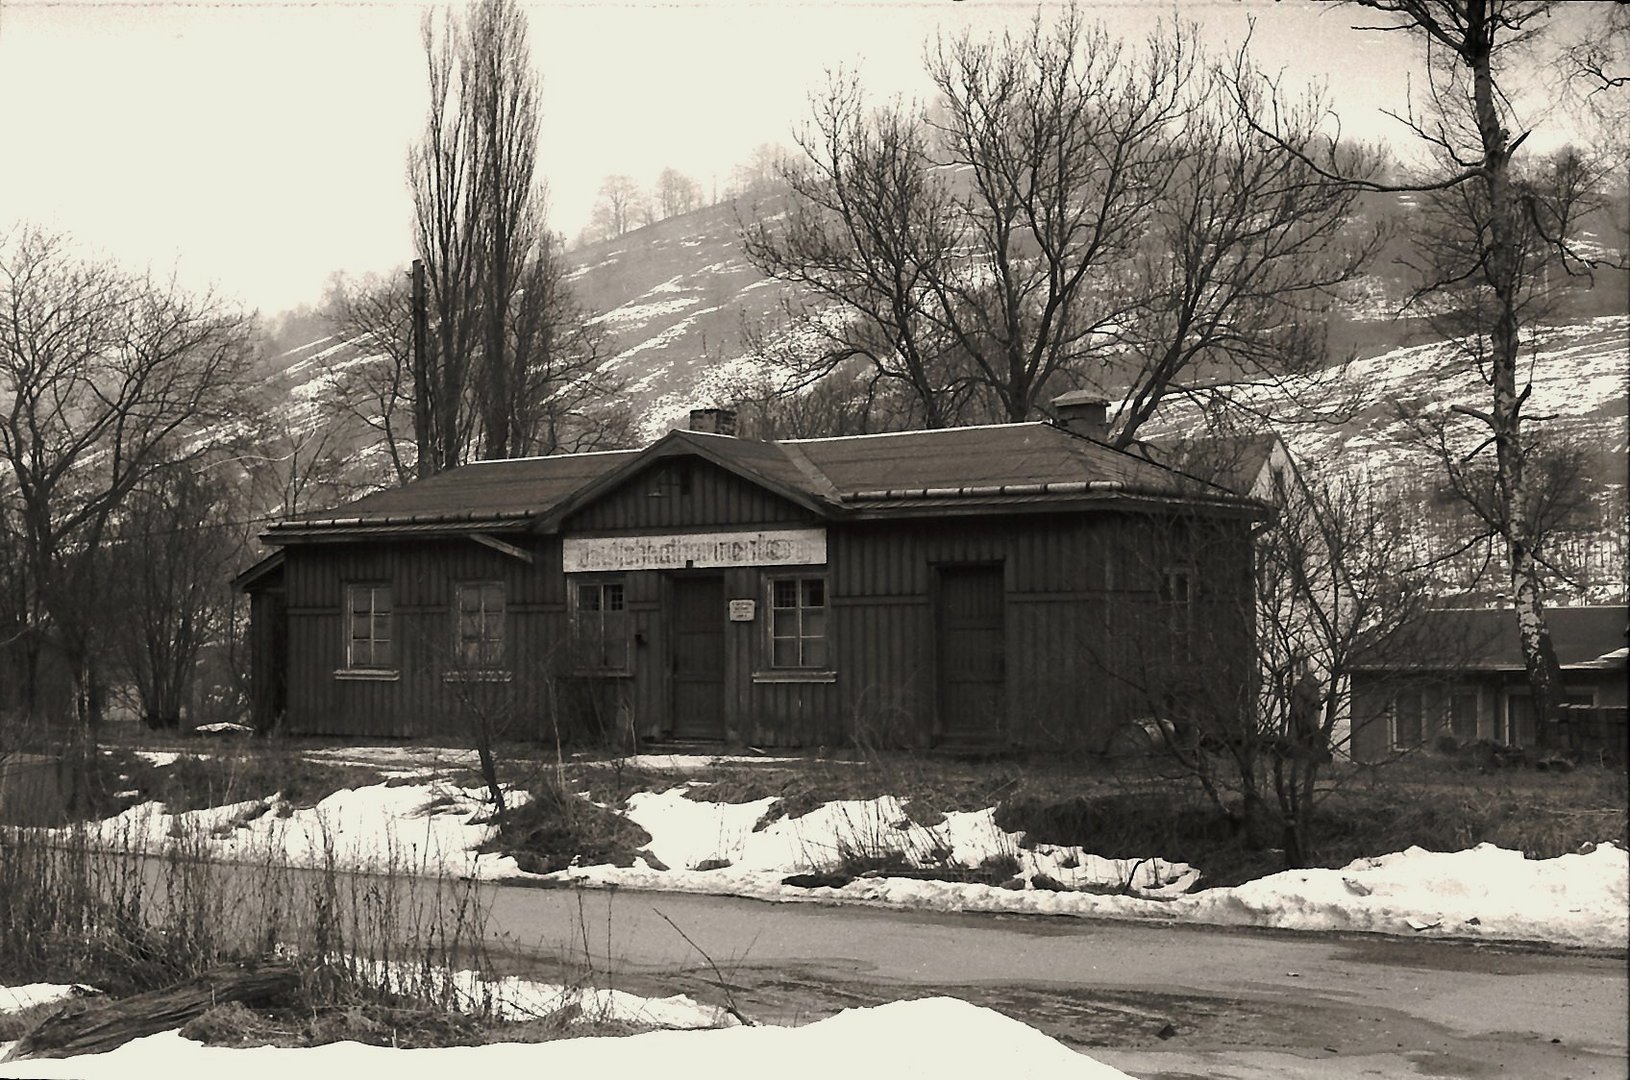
1466 680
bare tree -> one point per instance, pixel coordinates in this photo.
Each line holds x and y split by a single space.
1248 249
1332 589
381 391
618 206
759 175
676 193
866 225
175 547
563 397
1495 231
1595 67
1070 210
107 380
513 356
445 178
504 97
1063 135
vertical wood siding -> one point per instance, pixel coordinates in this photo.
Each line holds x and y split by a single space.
715 497
422 575
1086 631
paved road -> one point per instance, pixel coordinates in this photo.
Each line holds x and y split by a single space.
1234 1004
1243 1004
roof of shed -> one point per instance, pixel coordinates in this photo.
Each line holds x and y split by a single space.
1485 639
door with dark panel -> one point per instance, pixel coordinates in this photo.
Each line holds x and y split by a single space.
698 611
970 633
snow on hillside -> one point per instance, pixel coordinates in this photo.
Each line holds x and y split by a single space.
1580 372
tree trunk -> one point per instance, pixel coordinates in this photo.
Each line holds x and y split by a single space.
98 1029
1504 274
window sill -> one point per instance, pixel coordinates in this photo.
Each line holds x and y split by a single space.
602 673
790 676
475 676
367 674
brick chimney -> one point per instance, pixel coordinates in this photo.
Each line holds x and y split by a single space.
713 421
1081 412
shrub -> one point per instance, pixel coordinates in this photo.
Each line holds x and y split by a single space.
553 828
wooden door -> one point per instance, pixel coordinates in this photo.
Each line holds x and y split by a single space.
970 634
698 614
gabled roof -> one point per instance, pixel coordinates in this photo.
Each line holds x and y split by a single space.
761 463
1485 639
916 473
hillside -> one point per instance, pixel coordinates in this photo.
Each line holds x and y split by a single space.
673 297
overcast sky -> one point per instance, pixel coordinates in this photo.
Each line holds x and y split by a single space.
258 146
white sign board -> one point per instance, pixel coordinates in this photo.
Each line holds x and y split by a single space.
676 551
742 610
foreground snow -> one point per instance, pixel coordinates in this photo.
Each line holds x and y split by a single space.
940 1037
17 998
720 848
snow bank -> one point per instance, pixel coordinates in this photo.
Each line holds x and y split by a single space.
430 829
17 998
1487 891
940 1037
435 829
685 833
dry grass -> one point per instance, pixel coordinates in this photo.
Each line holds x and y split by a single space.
554 828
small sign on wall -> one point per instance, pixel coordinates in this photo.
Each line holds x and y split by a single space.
742 610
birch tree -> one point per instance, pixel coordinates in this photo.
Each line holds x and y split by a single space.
1499 222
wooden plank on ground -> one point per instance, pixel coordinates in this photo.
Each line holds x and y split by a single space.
96 1029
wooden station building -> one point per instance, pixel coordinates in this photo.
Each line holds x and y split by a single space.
1007 585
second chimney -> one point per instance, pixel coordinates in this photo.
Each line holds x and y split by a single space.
1081 412
713 421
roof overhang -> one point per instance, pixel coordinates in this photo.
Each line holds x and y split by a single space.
417 525
258 572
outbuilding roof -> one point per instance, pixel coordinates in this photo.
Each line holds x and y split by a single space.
914 473
1485 639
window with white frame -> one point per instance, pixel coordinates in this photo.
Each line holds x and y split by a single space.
478 624
600 624
798 623
369 634
1408 719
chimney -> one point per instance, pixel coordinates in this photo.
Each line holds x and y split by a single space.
1081 412
713 421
